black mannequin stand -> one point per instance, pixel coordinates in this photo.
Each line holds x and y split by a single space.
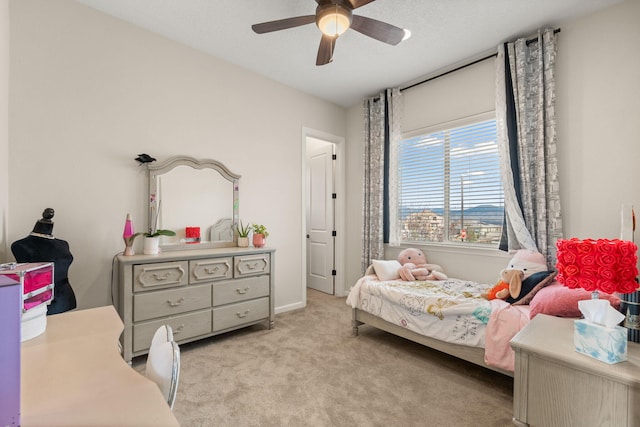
41 246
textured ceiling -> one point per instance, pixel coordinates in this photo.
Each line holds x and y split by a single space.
444 32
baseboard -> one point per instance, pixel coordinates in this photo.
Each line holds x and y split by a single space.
290 307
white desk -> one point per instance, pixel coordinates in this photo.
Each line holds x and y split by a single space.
73 375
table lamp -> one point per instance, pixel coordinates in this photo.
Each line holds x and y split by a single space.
596 266
600 265
128 236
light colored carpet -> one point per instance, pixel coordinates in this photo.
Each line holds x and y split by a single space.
311 371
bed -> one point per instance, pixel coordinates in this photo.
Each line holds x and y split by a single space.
453 317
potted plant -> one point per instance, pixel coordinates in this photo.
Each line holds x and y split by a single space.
243 234
152 240
260 234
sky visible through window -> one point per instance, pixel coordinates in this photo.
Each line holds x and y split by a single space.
473 159
453 173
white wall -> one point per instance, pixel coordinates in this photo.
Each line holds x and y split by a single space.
463 93
89 92
354 181
4 126
598 90
598 110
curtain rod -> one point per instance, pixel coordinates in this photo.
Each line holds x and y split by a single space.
450 71
529 41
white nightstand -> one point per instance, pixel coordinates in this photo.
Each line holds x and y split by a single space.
556 386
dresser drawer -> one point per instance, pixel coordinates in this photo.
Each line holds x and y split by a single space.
159 275
240 290
151 305
240 313
184 326
251 265
206 270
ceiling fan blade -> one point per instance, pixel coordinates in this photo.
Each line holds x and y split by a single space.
378 30
325 51
359 3
283 24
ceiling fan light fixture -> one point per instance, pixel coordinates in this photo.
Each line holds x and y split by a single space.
334 20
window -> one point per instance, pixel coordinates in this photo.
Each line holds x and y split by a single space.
448 186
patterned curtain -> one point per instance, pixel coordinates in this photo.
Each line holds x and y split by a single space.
394 104
381 124
526 120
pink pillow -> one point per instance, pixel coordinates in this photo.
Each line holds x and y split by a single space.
558 300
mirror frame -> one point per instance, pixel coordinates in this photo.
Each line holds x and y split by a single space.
157 170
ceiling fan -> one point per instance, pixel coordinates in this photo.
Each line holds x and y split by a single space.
333 18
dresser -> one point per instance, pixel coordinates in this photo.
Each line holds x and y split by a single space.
199 293
556 386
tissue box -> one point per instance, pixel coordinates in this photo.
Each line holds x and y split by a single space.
605 344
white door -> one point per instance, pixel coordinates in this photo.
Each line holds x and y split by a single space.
320 216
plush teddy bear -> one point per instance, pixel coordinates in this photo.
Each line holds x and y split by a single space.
415 267
499 291
525 270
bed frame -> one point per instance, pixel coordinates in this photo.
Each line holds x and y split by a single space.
470 354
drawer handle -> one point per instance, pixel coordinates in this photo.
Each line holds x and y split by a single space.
211 270
242 291
160 277
177 330
241 315
176 303
253 266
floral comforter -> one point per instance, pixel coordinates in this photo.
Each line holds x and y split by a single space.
451 310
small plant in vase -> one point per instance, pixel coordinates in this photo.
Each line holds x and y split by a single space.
152 240
243 234
152 237
260 235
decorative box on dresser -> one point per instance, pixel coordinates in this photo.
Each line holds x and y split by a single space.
199 293
556 386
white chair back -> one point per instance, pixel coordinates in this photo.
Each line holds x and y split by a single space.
163 334
163 363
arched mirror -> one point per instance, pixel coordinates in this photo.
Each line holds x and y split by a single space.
186 194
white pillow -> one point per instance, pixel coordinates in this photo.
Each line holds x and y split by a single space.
386 269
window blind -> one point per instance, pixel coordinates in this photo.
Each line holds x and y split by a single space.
449 186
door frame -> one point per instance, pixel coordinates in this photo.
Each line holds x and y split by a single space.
339 185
